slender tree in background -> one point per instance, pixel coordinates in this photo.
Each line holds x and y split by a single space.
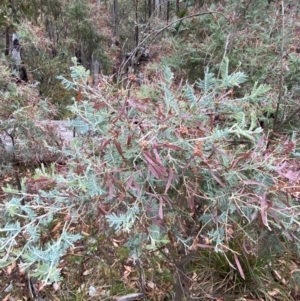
136 23
168 11
7 44
177 7
153 6
116 19
149 8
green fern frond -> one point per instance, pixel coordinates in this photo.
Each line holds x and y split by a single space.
94 187
231 80
33 232
121 222
112 156
224 68
79 73
257 92
253 120
47 272
156 236
208 83
69 85
207 102
171 102
219 133
11 229
189 93
240 118
168 75
235 79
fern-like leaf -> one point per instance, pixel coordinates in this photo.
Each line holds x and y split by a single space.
189 93
257 92
236 78
232 80
208 83
240 118
69 85
224 68
171 102
119 222
168 75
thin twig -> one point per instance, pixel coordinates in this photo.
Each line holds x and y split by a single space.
290 118
142 284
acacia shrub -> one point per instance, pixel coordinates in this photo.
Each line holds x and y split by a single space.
258 35
191 171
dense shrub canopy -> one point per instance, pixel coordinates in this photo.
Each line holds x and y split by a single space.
191 162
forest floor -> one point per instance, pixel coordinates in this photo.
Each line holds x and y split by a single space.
97 268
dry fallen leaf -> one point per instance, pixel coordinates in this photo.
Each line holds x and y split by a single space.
87 272
56 227
126 274
128 268
39 286
274 292
279 277
85 233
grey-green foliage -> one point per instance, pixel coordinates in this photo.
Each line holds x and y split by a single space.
231 80
125 221
33 211
208 83
21 227
144 166
239 128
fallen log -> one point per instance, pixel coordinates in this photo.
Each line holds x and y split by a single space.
42 143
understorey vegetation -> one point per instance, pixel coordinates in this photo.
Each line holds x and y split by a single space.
177 180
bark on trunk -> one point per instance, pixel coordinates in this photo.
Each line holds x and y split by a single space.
116 19
7 44
136 24
177 7
168 11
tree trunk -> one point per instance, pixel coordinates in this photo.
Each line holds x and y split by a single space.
158 7
168 11
17 64
95 67
177 7
136 24
153 6
16 52
149 8
7 44
116 19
